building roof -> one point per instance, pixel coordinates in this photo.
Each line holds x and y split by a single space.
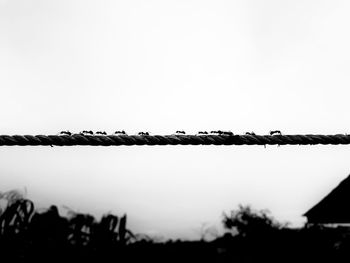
334 208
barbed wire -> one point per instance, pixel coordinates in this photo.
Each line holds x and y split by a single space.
173 139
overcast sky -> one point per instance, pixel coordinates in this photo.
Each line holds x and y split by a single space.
162 66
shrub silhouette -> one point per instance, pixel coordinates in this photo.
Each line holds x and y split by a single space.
256 235
247 221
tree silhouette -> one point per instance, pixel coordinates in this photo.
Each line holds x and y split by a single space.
247 221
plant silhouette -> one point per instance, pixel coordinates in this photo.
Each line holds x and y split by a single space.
247 221
253 235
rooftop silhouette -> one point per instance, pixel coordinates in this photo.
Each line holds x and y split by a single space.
333 208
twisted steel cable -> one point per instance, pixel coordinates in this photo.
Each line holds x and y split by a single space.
129 140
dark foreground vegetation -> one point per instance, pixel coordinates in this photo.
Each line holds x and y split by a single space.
27 235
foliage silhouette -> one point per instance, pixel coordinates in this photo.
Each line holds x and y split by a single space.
248 221
254 235
37 236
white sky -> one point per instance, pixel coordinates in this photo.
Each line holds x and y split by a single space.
162 66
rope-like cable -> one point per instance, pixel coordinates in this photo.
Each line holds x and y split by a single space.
118 140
